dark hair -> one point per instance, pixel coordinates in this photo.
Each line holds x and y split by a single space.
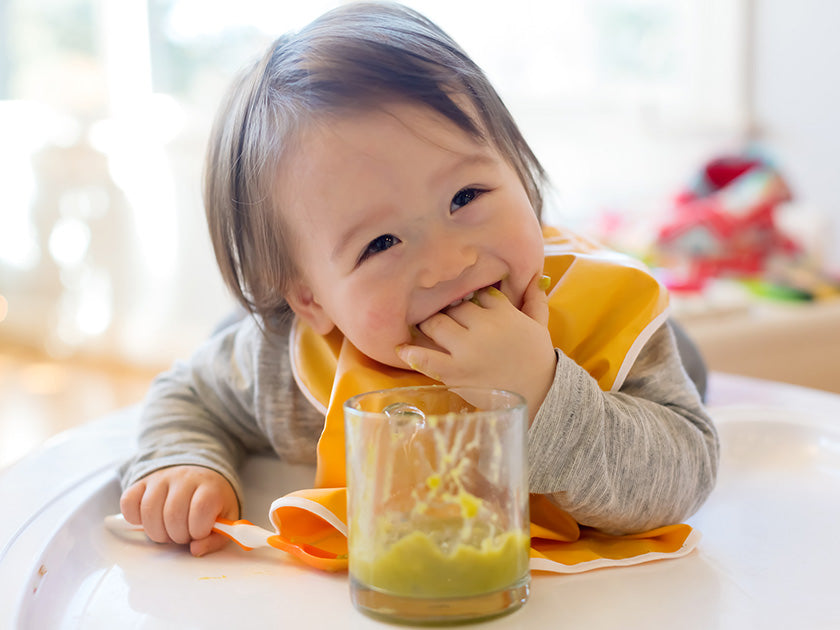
355 57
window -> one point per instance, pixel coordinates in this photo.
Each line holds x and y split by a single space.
105 107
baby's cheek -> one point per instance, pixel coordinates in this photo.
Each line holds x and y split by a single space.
381 316
384 328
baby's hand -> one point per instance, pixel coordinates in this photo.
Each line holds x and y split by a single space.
490 344
180 504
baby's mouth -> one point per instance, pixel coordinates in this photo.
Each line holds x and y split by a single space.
472 296
469 296
420 339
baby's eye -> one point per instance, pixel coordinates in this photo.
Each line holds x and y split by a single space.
463 197
379 244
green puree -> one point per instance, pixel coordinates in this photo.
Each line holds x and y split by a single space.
415 566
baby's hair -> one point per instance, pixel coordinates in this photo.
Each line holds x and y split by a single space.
354 58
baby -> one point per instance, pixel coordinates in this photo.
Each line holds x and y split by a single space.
365 184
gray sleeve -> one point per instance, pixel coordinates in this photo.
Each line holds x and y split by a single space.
625 461
208 411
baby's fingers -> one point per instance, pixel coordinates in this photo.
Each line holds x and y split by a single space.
206 506
176 512
535 300
130 502
211 543
151 512
422 360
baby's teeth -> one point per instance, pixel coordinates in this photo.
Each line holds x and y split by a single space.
466 298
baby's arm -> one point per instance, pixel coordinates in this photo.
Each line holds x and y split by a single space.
196 424
628 461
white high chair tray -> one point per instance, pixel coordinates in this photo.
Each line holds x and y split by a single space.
767 558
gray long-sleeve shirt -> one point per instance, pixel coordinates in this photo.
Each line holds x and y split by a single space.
623 461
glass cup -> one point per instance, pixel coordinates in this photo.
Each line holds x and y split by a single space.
437 503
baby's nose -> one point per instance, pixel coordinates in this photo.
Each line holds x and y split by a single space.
445 261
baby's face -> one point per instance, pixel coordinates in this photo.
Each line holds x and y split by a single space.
395 215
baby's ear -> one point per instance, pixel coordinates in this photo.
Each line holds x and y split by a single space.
305 306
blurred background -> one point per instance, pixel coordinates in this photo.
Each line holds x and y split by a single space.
635 107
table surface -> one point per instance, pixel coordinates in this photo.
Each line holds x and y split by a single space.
766 558
792 342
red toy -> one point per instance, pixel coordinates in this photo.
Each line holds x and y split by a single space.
723 224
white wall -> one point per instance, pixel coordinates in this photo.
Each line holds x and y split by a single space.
796 101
